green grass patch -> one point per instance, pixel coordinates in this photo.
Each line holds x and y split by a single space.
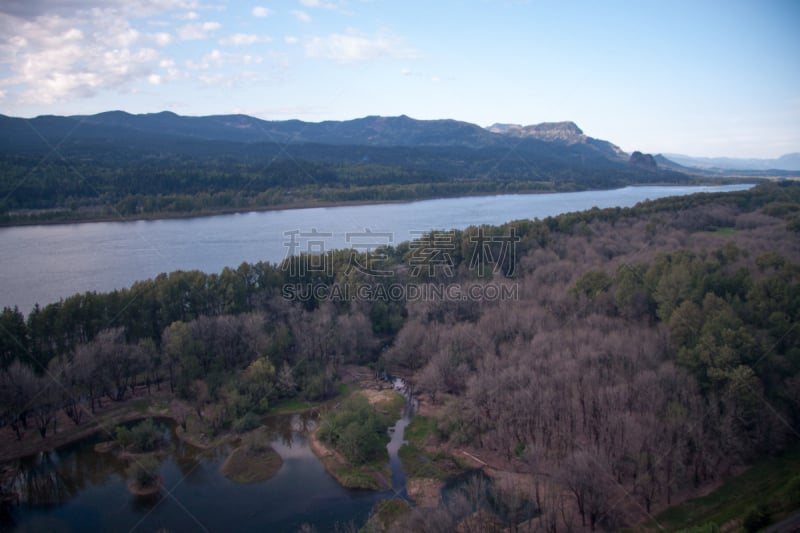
418 463
290 405
723 232
366 476
420 429
386 512
773 484
248 466
393 406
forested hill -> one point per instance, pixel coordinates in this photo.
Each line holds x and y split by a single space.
116 164
120 126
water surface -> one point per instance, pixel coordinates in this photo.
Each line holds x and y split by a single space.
44 263
77 489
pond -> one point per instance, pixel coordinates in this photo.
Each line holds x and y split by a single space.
75 488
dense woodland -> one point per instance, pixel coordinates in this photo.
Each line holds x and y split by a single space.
84 178
649 351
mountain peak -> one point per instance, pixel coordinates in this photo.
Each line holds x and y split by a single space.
566 131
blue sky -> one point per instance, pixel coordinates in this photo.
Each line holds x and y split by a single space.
695 77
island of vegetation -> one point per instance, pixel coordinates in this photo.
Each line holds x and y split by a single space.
352 436
253 460
643 358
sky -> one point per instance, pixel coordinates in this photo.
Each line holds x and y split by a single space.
699 77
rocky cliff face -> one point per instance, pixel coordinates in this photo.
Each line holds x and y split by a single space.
560 132
645 161
568 132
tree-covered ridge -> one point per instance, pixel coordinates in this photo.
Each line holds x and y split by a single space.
76 169
648 351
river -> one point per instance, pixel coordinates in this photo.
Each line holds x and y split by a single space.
41 264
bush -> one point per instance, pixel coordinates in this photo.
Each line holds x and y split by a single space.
144 472
145 436
756 518
246 423
791 493
356 430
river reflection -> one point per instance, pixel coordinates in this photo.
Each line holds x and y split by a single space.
76 488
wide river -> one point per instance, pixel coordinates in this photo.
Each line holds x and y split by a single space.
41 264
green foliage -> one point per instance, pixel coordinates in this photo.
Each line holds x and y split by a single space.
146 436
757 517
790 497
387 317
14 337
762 487
591 284
420 429
144 472
356 430
246 423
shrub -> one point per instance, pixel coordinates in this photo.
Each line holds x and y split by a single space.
356 430
145 436
246 423
756 518
144 472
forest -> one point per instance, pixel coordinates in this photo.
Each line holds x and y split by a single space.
649 352
83 179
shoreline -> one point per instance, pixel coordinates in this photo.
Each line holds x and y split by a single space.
111 415
319 204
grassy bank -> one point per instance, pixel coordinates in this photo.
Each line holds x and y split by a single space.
253 461
764 494
420 457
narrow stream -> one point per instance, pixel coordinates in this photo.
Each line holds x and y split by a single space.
397 434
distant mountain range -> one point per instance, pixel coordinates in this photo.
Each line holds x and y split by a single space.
789 162
154 162
371 131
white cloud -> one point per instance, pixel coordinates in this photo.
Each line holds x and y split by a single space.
161 38
154 79
261 12
351 48
318 4
49 58
291 39
197 31
32 9
302 16
244 39
189 15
